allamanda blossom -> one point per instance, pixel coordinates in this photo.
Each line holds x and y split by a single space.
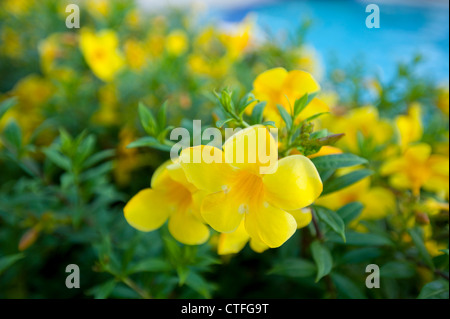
171 197
238 192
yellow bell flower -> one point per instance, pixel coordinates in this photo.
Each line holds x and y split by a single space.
410 128
418 168
238 191
378 202
234 242
101 53
280 87
363 120
171 197
177 43
238 40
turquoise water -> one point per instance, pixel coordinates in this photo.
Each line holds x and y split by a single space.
339 30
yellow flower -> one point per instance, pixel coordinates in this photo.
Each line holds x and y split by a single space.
11 44
33 92
365 121
239 192
99 8
108 114
418 168
237 41
135 54
177 43
101 53
280 87
326 150
171 197
378 202
409 126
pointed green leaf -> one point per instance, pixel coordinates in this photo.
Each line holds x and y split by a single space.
322 258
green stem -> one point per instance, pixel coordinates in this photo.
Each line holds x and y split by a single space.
130 283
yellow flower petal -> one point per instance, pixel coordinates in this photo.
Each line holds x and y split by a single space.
186 228
234 242
258 246
270 225
206 176
296 183
268 85
148 210
253 149
378 203
297 83
223 211
302 216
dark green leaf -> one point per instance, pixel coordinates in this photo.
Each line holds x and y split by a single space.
300 105
322 258
346 288
285 116
337 161
344 181
149 141
147 119
257 113
350 211
332 219
435 290
397 270
8 261
150 265
361 239
361 255
58 159
221 123
294 267
417 238
13 135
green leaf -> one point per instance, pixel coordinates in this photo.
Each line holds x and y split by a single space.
6 105
8 261
98 157
361 239
346 288
199 284
150 265
300 105
344 181
313 117
58 159
397 270
322 258
294 268
332 219
13 135
221 123
104 290
285 116
245 102
257 113
147 119
435 290
269 123
350 211
337 161
360 255
417 238
149 141
162 116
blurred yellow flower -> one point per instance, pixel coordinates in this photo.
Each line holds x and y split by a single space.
280 87
363 120
378 202
99 8
101 53
238 40
409 126
33 92
177 43
108 114
237 191
418 168
11 43
135 54
171 197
